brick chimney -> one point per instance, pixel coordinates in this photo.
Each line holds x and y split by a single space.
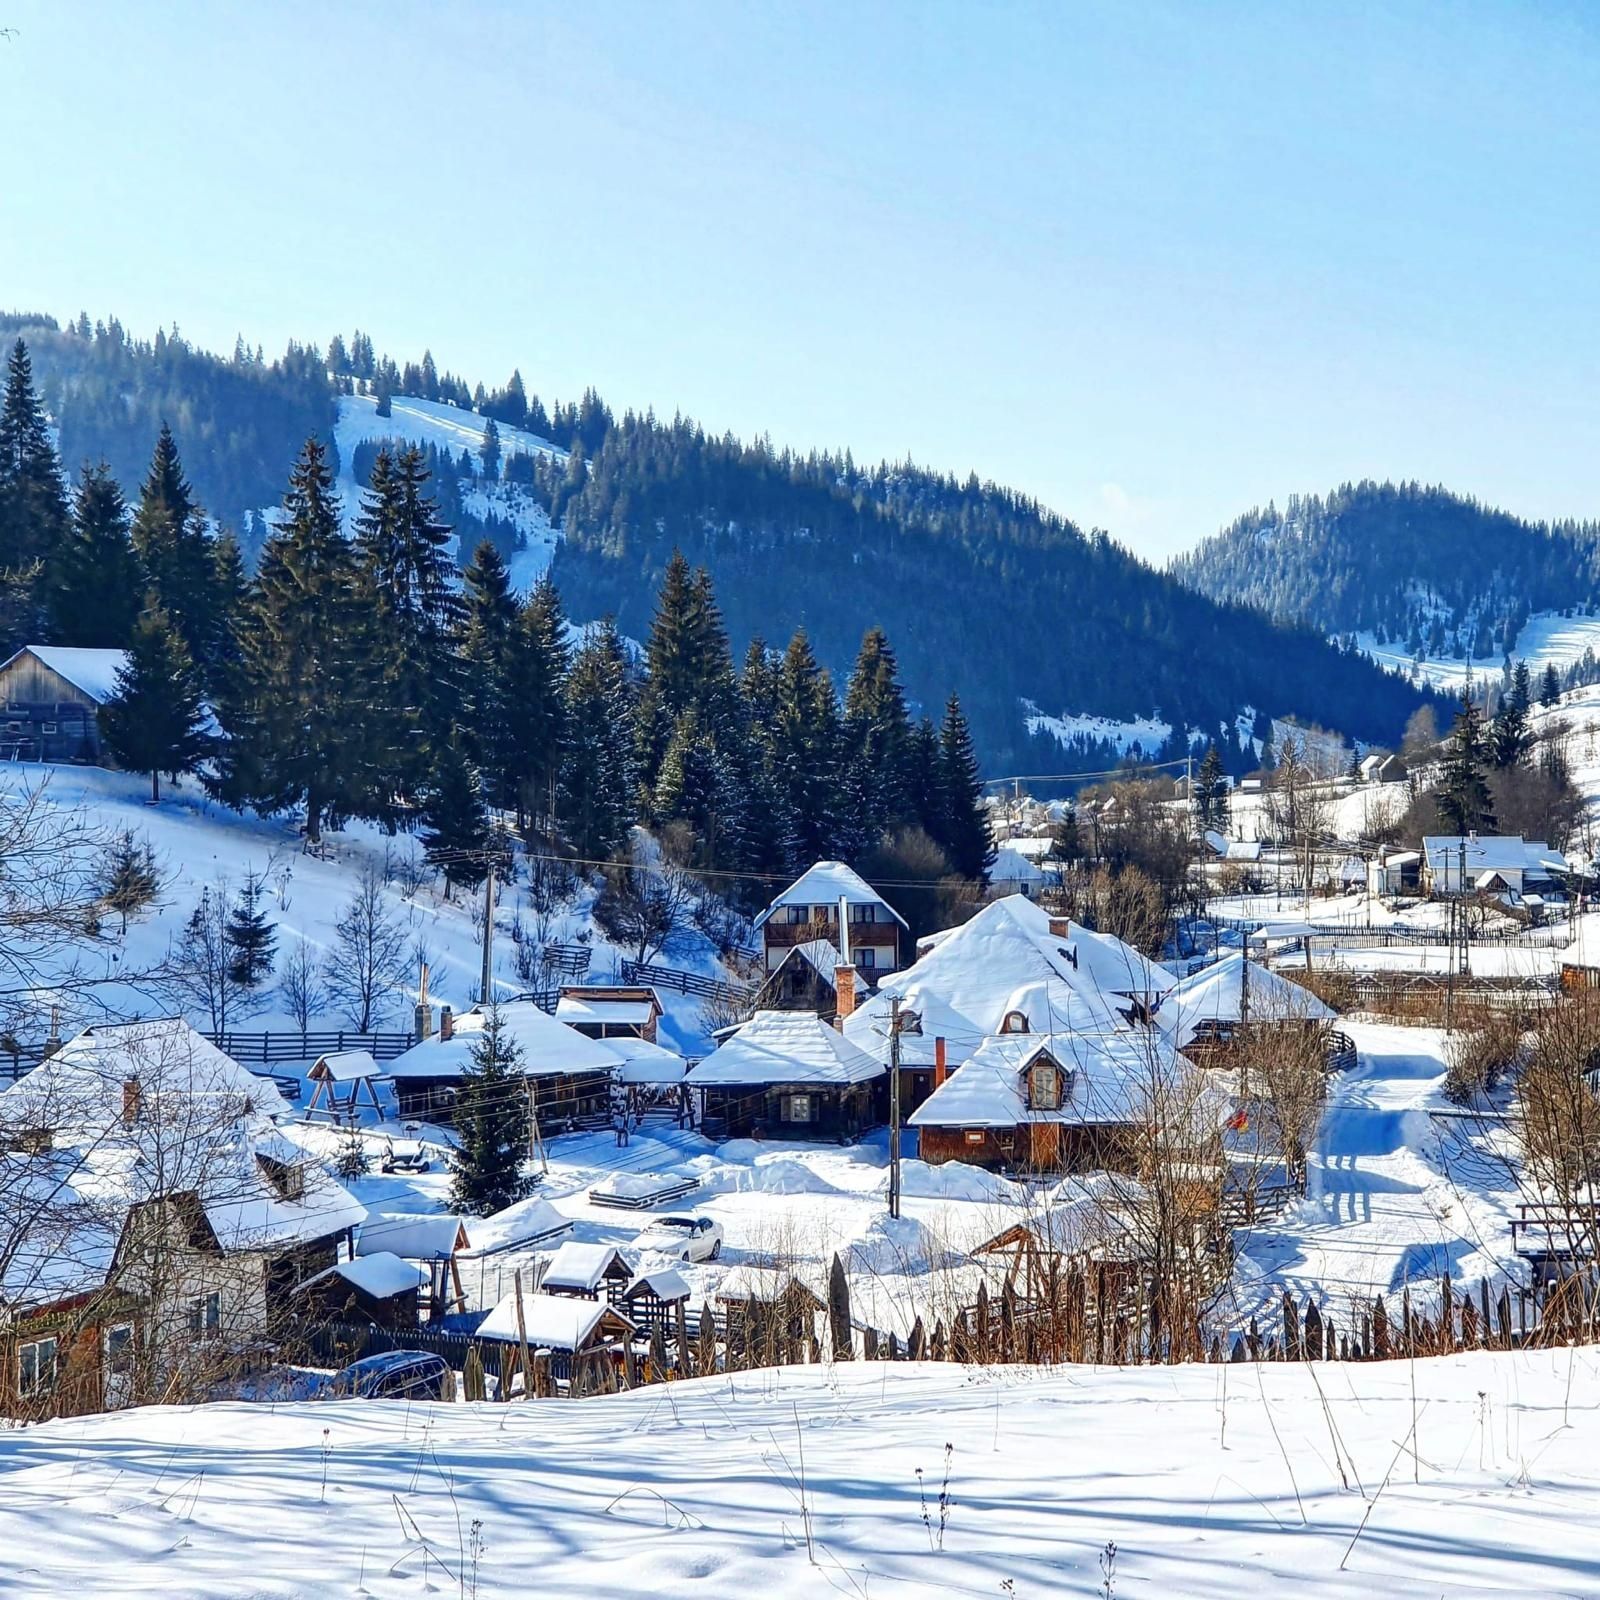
1060 927
132 1101
844 986
447 1024
940 1070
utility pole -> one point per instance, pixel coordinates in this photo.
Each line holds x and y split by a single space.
899 1022
485 994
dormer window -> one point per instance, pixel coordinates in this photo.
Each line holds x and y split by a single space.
1044 1085
1015 1022
288 1178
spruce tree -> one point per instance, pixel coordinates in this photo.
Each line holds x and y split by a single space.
1550 688
697 787
251 937
1463 793
923 781
806 744
1210 797
595 793
489 450
492 1124
129 879
94 584
173 541
877 735
455 821
488 647
963 822
34 520
155 720
296 725
762 830
538 671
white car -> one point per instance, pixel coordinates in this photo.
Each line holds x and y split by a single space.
689 1238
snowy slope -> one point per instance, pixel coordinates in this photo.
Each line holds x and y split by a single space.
1148 733
200 844
1213 1483
1547 637
450 428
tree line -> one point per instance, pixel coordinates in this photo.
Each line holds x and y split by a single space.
356 678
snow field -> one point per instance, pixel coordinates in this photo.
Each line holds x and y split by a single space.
1211 1481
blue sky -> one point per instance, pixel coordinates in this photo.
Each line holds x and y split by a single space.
1151 263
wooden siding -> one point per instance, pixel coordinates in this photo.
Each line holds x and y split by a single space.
1033 1147
43 717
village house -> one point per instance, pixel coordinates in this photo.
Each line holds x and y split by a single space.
869 938
1494 864
610 1011
433 1243
568 1075
1382 766
1392 873
218 1217
1208 1014
1054 1102
788 1075
808 978
51 697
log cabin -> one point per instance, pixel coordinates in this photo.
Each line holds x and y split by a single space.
610 1010
50 699
787 1074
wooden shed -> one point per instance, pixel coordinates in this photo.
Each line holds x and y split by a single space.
379 1289
50 699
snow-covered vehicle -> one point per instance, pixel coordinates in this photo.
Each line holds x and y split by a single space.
404 1155
688 1237
395 1375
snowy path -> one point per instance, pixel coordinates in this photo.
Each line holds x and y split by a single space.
1398 1189
1215 1483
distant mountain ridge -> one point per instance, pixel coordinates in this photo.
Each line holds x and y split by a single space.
982 590
1418 568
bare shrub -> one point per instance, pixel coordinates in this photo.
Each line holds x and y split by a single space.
1481 1056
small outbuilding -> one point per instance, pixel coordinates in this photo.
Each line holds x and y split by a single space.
378 1289
588 1271
50 700
434 1243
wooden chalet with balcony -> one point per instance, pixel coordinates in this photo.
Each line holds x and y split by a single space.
871 937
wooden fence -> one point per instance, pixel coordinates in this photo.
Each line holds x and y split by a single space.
694 983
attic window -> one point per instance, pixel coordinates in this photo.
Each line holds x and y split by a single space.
1044 1085
288 1178
1015 1022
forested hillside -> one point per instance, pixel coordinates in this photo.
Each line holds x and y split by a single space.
1416 567
983 590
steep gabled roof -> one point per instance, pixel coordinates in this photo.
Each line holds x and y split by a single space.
548 1046
584 1267
826 884
92 671
786 1047
1217 994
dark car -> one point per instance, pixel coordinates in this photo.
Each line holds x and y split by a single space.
397 1375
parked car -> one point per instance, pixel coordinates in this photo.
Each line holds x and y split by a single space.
404 1155
687 1237
396 1375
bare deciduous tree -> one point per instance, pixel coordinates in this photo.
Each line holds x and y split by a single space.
369 967
300 985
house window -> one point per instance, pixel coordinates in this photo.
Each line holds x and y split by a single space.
36 1367
205 1315
866 958
119 1342
796 916
1044 1085
973 1136
863 913
799 1108
49 727
1015 1022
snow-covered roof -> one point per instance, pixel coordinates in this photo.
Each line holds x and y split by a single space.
1217 993
345 1066
1242 850
424 1238
826 884
58 1242
664 1282
586 1008
785 1047
1094 1213
642 1062
1583 950
766 1284
1110 1079
548 1046
1491 853
582 1266
1007 959
92 671
551 1321
528 1222
820 954
1011 866
381 1275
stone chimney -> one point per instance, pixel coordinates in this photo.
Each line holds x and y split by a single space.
844 986
940 1070
424 1012
1060 927
447 1024
132 1101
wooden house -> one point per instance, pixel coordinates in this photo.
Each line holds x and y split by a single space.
810 977
568 1076
787 1074
1210 1014
610 1010
50 699
1043 1103
587 1271
379 1289
869 936
434 1243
